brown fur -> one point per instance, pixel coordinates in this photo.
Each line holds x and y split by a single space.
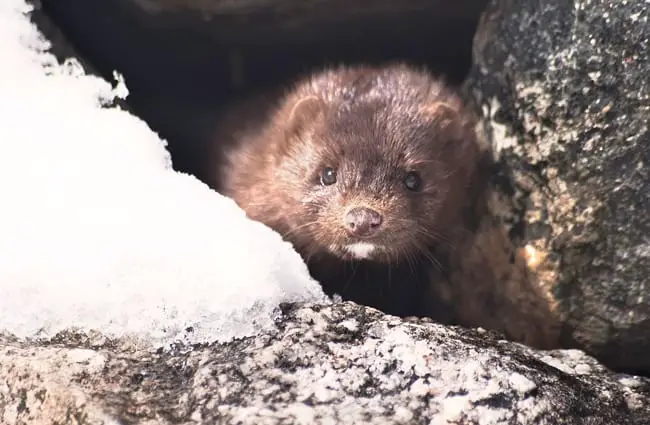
373 125
447 256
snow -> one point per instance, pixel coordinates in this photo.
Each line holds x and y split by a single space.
97 231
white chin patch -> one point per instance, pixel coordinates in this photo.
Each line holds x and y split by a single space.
360 250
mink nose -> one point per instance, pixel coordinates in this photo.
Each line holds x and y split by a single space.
362 222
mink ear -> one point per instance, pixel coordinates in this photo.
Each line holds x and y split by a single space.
304 112
441 111
447 116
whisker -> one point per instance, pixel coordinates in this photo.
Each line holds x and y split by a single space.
410 258
428 255
295 229
427 230
311 250
349 280
439 237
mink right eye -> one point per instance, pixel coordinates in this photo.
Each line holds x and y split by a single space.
328 176
412 181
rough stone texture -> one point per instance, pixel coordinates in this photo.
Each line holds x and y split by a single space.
336 364
565 90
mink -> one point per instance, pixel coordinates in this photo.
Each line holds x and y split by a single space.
370 172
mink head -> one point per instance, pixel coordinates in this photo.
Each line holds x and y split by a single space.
374 163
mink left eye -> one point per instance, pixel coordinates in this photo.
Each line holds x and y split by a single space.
328 176
412 181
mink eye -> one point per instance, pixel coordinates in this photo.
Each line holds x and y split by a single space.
328 176
412 181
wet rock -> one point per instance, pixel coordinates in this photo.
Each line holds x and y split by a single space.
564 90
336 364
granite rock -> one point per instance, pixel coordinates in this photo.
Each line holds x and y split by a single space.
564 91
341 363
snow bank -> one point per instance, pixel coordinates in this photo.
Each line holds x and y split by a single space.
98 232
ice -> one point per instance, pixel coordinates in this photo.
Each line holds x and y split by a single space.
97 231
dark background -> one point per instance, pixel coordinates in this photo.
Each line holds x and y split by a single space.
182 68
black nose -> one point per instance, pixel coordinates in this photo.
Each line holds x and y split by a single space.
362 222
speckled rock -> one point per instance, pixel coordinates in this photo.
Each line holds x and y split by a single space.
565 91
320 365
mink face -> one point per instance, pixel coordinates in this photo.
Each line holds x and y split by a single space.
361 163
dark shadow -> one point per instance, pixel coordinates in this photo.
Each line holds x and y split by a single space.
179 73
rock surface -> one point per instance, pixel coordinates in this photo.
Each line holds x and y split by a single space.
336 364
564 88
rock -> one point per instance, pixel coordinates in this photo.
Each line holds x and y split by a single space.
563 87
337 364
